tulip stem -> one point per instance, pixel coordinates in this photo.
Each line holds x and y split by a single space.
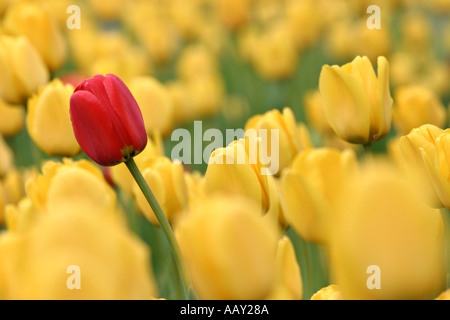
168 232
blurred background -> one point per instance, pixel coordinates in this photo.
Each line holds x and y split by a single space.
223 61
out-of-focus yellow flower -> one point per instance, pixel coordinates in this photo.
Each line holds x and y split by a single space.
13 186
315 113
305 16
357 102
155 103
187 17
79 183
184 109
107 11
159 37
167 181
6 157
229 248
237 170
371 42
30 18
196 61
311 189
417 105
444 295
12 119
206 95
48 119
387 243
276 56
290 139
126 64
196 186
288 281
415 31
23 69
330 292
234 13
425 153
75 248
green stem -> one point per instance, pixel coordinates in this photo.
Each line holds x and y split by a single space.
165 226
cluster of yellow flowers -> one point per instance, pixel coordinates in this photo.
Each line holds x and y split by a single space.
378 221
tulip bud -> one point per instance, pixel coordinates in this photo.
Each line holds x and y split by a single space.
237 169
288 282
229 248
78 255
31 20
23 70
417 105
290 140
418 150
80 183
48 120
311 190
357 102
107 121
387 243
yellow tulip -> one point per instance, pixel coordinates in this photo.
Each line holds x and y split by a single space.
234 13
357 102
315 112
425 161
276 56
196 61
155 103
167 181
290 139
387 243
12 119
32 20
305 16
330 292
48 119
13 186
311 189
206 95
23 69
416 105
79 183
75 255
237 170
288 282
196 186
229 249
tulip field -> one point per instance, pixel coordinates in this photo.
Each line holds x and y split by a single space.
225 150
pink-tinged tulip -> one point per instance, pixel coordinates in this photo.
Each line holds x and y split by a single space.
106 120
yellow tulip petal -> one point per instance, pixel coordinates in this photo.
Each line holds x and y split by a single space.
346 104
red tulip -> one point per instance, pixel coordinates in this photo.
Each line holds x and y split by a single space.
106 120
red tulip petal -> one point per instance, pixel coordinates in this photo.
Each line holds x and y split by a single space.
128 111
93 128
